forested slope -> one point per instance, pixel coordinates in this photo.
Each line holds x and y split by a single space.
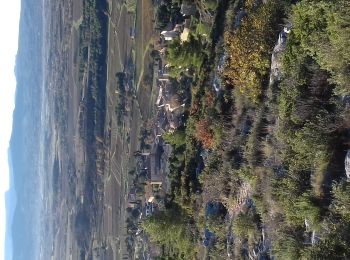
257 171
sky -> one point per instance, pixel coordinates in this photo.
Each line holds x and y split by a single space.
9 23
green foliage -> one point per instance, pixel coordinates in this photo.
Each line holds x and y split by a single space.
310 120
218 134
120 108
162 16
287 245
321 29
131 6
245 225
333 245
170 228
297 207
306 207
167 11
189 54
210 4
252 145
176 139
203 29
341 204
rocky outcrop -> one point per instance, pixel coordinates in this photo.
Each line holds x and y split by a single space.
276 60
347 165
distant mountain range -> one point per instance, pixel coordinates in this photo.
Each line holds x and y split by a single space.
10 202
21 200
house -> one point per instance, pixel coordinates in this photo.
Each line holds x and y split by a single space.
155 168
132 198
184 35
187 23
171 103
133 205
148 192
160 94
178 27
186 31
171 107
163 51
174 121
188 8
164 78
164 71
158 132
169 35
162 120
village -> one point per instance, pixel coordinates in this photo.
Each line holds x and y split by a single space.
170 107
151 186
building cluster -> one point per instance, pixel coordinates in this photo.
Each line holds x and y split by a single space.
170 104
170 108
180 30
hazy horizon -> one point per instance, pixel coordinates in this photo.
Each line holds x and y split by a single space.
10 12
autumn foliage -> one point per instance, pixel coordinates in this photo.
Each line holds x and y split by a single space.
204 133
248 48
209 98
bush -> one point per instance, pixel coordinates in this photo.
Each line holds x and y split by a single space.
170 229
248 49
162 16
186 55
204 133
287 245
341 204
130 6
176 139
245 226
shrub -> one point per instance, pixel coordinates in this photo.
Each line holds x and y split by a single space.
204 134
248 49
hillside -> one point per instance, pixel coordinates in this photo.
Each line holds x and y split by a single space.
181 129
257 168
25 137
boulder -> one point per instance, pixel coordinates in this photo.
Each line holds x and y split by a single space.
276 60
347 165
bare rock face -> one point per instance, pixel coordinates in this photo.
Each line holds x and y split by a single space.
276 60
347 165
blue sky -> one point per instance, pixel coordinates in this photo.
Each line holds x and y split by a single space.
9 23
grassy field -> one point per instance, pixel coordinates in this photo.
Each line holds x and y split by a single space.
144 39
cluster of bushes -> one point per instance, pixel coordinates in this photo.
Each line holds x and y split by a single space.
131 6
249 46
171 228
321 31
290 148
312 129
168 12
120 109
187 56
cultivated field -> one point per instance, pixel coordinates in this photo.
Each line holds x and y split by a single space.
88 158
